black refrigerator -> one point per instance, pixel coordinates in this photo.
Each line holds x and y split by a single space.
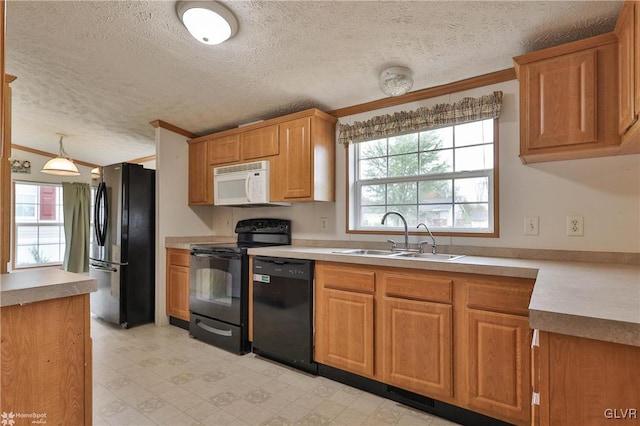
123 245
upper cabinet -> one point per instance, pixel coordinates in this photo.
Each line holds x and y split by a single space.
569 100
628 33
300 148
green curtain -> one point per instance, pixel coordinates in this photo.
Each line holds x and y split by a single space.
76 198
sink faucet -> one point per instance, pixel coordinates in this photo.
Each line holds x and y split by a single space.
433 245
404 221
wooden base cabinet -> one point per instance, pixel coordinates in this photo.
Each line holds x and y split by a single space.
587 382
178 283
46 361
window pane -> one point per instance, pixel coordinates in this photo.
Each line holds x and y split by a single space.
472 190
436 215
435 191
371 216
474 158
26 193
51 234
487 127
377 148
469 134
403 144
436 139
27 235
409 213
375 168
402 193
25 213
26 255
50 253
403 165
372 195
436 162
472 215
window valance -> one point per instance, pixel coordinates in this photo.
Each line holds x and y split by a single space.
463 111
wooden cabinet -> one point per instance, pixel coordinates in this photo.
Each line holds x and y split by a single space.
224 150
497 339
417 328
569 100
259 143
5 175
305 168
344 318
200 174
628 33
46 360
300 148
587 382
178 283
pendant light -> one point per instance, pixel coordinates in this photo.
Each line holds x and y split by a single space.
62 165
209 22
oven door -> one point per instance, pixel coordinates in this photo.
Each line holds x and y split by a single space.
216 286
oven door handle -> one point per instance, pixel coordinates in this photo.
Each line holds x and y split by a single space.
226 333
218 255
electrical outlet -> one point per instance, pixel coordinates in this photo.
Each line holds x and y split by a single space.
323 224
575 226
531 225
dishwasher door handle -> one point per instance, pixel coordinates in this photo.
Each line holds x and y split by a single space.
226 333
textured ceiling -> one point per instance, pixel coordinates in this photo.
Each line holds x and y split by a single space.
100 71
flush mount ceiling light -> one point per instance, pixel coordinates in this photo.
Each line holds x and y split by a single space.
62 165
396 81
209 22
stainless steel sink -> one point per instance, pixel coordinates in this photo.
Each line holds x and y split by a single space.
431 256
369 252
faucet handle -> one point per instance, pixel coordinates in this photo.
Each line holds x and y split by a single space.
422 243
393 245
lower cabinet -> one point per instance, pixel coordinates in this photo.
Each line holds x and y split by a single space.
178 283
458 338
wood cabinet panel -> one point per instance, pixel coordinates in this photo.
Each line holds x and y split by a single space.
583 381
178 275
636 41
200 175
498 357
561 101
46 360
418 346
347 278
626 68
258 143
296 167
344 331
498 297
418 286
225 149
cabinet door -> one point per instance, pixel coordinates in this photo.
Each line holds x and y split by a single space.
225 149
344 331
258 143
296 165
498 354
178 292
626 69
636 39
417 346
560 98
200 175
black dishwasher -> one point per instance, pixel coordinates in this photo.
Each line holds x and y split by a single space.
283 311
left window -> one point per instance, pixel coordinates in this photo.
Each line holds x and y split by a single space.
39 225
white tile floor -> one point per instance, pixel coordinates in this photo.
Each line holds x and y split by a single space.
152 375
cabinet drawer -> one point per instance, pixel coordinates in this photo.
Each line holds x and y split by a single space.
178 257
511 299
342 278
414 286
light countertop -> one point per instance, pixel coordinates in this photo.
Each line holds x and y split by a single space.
594 300
35 285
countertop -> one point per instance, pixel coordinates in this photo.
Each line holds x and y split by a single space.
35 285
594 300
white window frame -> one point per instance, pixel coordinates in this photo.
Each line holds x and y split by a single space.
355 205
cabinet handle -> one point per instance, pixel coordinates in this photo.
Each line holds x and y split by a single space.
226 333
535 339
535 398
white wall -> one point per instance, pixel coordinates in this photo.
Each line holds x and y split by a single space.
174 216
605 191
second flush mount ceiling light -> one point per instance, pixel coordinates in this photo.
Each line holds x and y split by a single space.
209 22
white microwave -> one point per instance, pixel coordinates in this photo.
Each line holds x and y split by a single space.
242 185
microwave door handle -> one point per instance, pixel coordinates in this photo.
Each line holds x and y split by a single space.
247 186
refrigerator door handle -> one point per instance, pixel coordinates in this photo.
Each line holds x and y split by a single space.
101 204
104 268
